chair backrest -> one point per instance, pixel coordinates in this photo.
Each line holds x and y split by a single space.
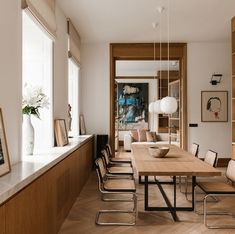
230 172
105 157
211 157
101 170
108 149
194 149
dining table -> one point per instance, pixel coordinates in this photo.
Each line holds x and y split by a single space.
176 163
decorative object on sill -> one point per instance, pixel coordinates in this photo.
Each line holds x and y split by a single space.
69 117
28 135
216 78
168 104
214 106
82 125
60 132
4 155
33 99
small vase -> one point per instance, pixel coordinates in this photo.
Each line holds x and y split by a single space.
28 135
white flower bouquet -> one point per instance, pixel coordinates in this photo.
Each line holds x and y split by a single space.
33 99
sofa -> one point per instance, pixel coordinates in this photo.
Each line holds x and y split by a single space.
162 138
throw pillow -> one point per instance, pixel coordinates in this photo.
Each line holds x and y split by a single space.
151 136
134 135
142 135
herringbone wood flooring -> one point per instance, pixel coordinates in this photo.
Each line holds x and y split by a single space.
81 219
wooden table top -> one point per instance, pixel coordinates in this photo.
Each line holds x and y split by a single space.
177 162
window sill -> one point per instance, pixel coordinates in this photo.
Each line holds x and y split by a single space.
33 166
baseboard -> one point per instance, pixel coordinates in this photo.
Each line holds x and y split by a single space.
223 162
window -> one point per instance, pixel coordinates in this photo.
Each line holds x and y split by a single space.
37 71
73 85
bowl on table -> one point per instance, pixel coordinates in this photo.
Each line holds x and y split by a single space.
158 152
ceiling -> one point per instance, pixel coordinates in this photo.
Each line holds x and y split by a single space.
131 20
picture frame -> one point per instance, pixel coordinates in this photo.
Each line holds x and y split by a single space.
5 166
82 125
214 106
60 132
132 106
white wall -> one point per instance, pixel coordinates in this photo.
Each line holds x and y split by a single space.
203 60
10 74
95 87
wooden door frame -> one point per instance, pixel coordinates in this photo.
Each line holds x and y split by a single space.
145 51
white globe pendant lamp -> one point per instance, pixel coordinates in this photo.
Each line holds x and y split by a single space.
151 107
157 107
168 105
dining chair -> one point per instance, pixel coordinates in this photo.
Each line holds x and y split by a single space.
115 168
218 189
194 151
116 160
117 187
211 159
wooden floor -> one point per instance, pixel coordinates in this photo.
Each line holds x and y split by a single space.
81 219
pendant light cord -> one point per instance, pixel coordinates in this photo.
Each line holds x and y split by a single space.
160 83
168 46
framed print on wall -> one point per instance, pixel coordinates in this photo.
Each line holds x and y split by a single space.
61 132
214 106
132 106
4 155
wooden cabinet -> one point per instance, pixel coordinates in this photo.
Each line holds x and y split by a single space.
43 205
2 219
233 87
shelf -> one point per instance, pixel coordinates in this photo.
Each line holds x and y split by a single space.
174 82
174 118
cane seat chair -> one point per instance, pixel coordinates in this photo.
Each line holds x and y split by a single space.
211 159
115 168
218 189
116 160
117 187
194 151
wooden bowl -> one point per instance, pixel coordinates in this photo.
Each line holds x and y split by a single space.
158 152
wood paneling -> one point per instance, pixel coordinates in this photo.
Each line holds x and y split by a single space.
233 85
233 152
144 51
2 219
42 206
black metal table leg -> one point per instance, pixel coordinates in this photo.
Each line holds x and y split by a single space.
146 192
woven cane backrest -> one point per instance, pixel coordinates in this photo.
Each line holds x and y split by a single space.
230 173
194 149
105 156
101 169
210 158
109 151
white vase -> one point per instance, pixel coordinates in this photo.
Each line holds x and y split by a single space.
28 135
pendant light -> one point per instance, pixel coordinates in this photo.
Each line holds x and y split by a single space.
157 103
168 104
151 105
